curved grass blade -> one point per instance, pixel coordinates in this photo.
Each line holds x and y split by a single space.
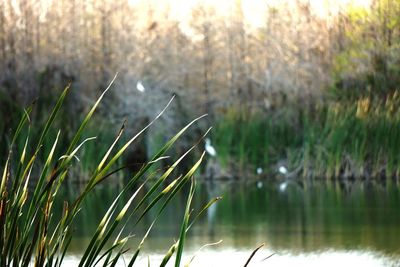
103 171
204 246
210 203
21 124
252 255
111 147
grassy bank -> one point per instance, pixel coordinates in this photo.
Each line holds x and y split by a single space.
358 138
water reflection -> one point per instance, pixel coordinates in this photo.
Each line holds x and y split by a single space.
230 257
307 224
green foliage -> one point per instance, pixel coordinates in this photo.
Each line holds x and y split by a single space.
367 62
33 233
352 139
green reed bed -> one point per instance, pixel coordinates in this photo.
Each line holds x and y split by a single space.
33 233
335 139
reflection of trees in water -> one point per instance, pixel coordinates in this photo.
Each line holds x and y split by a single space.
322 215
212 191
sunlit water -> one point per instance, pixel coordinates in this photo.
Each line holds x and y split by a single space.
307 224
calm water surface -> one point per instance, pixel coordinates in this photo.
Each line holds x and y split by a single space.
308 224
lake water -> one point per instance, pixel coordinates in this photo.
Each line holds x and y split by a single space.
316 223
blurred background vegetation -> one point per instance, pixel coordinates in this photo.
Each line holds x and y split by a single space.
312 84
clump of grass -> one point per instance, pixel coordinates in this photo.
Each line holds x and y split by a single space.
32 233
334 139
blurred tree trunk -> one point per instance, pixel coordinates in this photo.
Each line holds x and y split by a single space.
2 36
207 64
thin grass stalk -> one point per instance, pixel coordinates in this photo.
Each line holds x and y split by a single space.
185 223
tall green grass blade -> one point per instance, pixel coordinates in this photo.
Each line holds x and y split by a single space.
21 124
4 177
185 223
168 255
